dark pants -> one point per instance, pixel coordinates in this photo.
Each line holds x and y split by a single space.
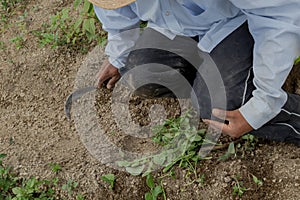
233 59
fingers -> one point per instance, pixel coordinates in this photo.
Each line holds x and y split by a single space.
102 77
219 126
214 124
108 72
221 114
112 82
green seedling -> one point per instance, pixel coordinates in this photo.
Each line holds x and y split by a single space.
238 188
2 45
55 167
8 5
64 29
79 197
250 141
18 41
70 186
155 190
257 181
2 156
7 8
110 179
247 144
201 180
230 152
55 181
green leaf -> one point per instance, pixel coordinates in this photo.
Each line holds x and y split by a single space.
87 6
196 138
79 197
168 167
231 149
123 163
64 187
135 170
31 183
248 137
2 156
148 196
297 60
77 23
150 181
108 177
55 181
202 131
157 190
230 152
136 163
65 14
55 167
224 157
89 26
75 184
18 191
77 3
257 181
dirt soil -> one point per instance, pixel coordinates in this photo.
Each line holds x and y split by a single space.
34 130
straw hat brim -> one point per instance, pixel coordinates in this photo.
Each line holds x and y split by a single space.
111 4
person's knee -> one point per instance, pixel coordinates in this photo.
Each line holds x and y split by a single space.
174 72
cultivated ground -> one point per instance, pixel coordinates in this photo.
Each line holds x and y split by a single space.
34 131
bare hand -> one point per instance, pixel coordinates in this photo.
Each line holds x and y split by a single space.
237 125
108 72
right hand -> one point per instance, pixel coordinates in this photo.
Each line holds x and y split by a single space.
108 72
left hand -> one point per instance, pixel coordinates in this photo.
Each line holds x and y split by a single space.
237 125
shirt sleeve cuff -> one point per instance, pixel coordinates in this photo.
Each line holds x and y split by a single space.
257 113
117 62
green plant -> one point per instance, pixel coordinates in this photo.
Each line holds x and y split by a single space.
7 5
13 187
297 60
201 180
2 45
55 167
180 143
79 197
55 181
18 41
257 181
247 144
6 9
230 152
31 188
65 29
155 190
110 179
238 187
7 179
250 141
70 186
